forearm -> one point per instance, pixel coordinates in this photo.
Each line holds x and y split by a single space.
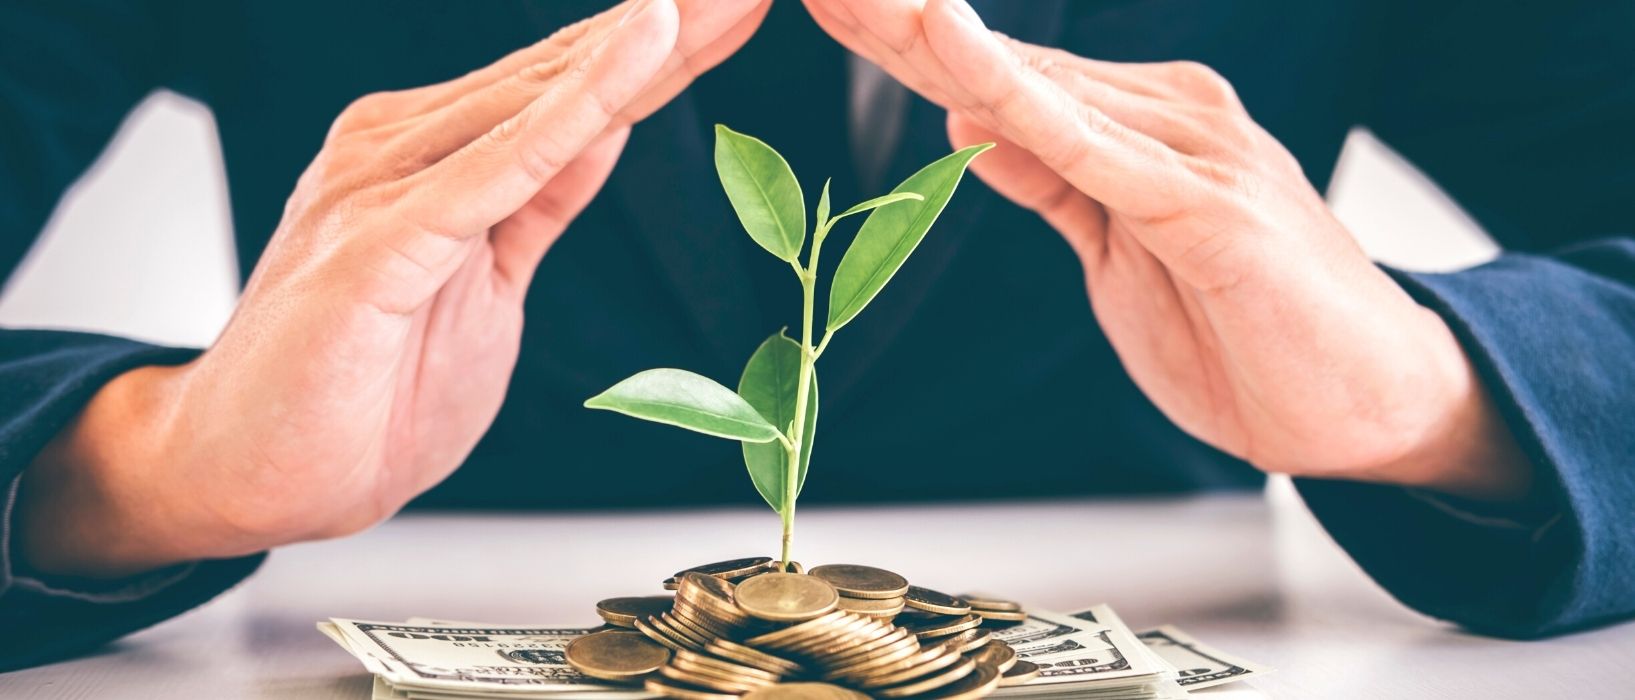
96 502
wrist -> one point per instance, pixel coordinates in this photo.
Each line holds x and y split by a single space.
1465 448
98 501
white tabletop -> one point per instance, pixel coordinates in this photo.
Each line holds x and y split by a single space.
1250 574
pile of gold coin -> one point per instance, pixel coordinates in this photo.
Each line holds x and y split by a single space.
748 629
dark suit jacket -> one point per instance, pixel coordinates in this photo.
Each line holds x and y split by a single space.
983 353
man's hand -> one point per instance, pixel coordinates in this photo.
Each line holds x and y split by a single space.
375 339
1233 297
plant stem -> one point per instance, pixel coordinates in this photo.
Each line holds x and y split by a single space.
808 356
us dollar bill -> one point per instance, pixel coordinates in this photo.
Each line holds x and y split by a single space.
454 659
1072 650
1198 666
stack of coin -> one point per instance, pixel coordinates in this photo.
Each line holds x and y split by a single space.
733 570
994 610
749 628
865 590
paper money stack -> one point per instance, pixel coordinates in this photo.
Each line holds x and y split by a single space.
789 635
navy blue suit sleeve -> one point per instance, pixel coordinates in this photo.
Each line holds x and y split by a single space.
48 377
1552 339
1522 112
69 72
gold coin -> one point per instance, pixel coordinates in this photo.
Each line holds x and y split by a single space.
999 615
687 667
860 581
751 656
891 650
709 681
896 635
712 598
793 632
975 684
731 568
719 621
686 658
849 636
624 611
880 617
672 583
658 625
651 632
941 627
935 602
928 682
996 654
865 606
824 654
615 655
847 628
681 691
700 620
786 597
979 601
804 691
677 626
707 592
1022 672
882 658
969 640
926 661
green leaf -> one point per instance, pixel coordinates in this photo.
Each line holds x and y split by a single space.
891 233
823 203
881 201
763 191
686 400
769 384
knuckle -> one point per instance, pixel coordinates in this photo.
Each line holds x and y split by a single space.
539 163
1097 122
1203 83
1234 182
1068 152
415 223
537 156
1038 61
536 74
503 132
368 110
360 201
571 34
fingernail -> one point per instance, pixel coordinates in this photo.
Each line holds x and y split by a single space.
966 12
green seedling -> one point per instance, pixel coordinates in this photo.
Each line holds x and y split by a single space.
774 412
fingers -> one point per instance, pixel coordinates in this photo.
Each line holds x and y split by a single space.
710 30
439 95
391 109
1112 163
1181 126
1019 176
521 240
862 27
496 174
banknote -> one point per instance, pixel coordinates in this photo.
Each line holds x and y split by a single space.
1199 666
449 659
1083 655
1091 655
